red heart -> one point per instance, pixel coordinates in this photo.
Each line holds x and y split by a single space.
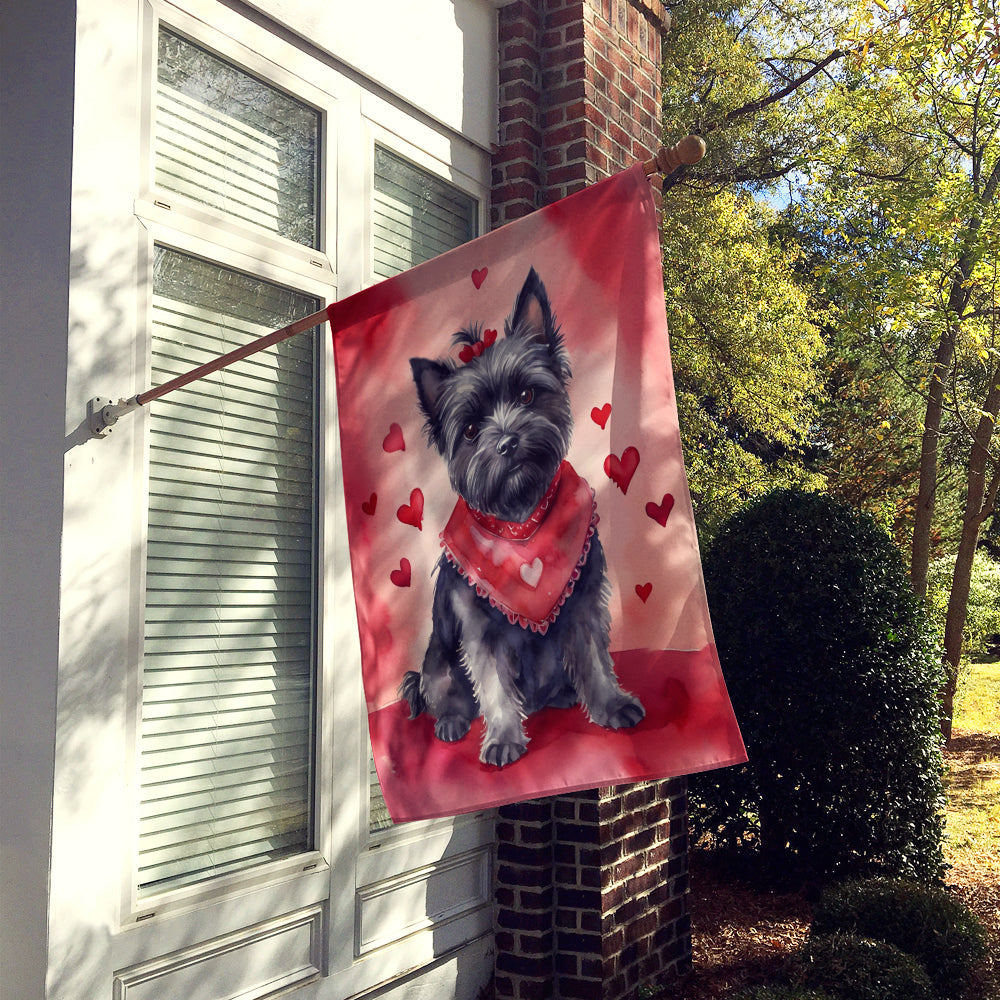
600 416
660 512
368 506
413 512
466 354
489 337
401 577
621 470
643 590
393 441
479 276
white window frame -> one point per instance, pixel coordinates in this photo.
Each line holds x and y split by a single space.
180 224
349 870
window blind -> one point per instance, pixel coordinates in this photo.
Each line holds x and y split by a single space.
228 653
415 216
228 140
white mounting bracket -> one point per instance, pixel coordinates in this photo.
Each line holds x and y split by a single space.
103 413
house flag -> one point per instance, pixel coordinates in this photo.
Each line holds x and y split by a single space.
526 572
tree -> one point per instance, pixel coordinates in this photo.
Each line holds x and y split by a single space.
746 76
913 184
746 354
879 123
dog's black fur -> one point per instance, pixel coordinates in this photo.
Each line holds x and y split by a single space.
502 422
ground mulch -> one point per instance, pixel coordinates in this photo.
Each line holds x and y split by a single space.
742 934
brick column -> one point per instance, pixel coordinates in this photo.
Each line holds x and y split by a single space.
579 96
591 888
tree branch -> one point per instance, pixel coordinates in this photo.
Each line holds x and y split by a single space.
753 107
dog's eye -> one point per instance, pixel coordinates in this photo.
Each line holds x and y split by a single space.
471 432
525 396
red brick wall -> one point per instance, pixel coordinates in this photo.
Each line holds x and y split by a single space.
591 893
591 888
579 96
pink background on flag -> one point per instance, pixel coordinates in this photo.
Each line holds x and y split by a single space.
598 255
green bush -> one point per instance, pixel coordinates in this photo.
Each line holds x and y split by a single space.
925 922
833 672
856 968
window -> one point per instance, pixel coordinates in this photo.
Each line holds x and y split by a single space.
229 646
252 802
416 216
228 679
227 140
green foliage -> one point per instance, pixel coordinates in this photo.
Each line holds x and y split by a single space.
738 73
857 968
746 355
833 673
983 613
745 343
926 922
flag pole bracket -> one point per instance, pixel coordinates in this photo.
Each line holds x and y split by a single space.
103 413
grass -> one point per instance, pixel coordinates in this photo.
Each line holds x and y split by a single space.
972 848
973 782
978 698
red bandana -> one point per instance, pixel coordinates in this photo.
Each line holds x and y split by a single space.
526 569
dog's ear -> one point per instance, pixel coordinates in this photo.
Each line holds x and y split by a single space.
532 319
532 314
429 377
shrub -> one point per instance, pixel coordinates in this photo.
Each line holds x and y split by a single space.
926 922
833 672
856 968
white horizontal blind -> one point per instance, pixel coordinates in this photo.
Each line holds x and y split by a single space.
228 140
228 657
416 216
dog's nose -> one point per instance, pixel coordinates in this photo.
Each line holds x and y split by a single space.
507 445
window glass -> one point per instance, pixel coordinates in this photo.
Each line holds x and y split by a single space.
228 679
416 216
228 140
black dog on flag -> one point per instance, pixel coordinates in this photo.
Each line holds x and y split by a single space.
520 615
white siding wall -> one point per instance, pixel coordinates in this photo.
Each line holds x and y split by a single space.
74 293
36 115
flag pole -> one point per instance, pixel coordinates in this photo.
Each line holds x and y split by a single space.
103 413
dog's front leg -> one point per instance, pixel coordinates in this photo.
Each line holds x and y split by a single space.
591 670
491 666
504 740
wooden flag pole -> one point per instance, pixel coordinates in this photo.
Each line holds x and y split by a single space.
103 413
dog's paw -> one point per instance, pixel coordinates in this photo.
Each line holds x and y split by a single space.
451 728
502 754
622 713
